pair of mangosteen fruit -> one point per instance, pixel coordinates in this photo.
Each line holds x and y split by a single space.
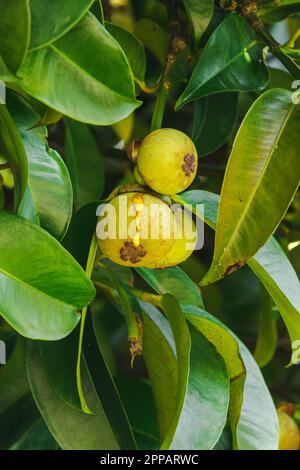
166 164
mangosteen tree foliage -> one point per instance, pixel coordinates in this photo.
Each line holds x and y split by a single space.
145 344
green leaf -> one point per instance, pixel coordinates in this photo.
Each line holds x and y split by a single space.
264 157
202 386
106 388
49 198
271 11
275 271
51 19
49 116
37 437
2 198
198 372
89 269
172 281
63 378
267 331
42 287
153 37
270 264
16 420
81 230
214 120
137 395
71 429
4 72
85 164
252 411
219 335
13 380
79 75
133 49
15 32
11 148
236 67
200 13
159 356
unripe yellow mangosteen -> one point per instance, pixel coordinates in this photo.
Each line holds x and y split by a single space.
185 240
167 161
136 229
289 434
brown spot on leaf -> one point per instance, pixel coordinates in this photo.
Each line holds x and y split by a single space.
132 253
233 268
189 165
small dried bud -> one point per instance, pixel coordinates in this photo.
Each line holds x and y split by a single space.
132 150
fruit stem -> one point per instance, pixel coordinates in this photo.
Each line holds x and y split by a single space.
248 9
153 299
274 46
160 105
293 39
177 43
125 305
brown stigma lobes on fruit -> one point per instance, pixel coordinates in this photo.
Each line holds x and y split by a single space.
132 253
189 165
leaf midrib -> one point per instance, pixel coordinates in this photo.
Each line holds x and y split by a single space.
39 292
86 74
212 77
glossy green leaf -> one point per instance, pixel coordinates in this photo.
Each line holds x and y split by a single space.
63 378
2 198
153 37
79 75
106 388
49 197
236 67
133 49
252 411
5 74
16 420
49 116
60 16
225 441
13 380
71 429
89 269
275 271
15 32
270 12
177 385
214 119
137 395
219 335
267 331
200 13
264 157
172 281
37 437
85 164
159 356
202 390
270 264
80 232
11 147
42 286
